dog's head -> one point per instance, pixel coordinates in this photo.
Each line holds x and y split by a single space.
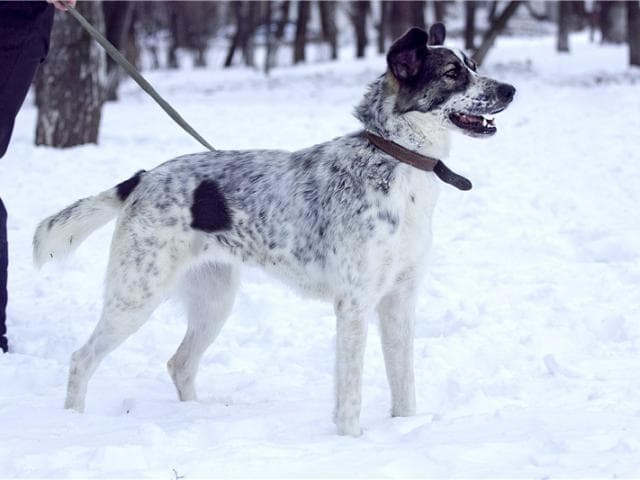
441 84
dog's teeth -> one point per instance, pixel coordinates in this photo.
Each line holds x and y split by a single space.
484 122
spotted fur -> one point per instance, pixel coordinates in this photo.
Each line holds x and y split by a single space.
341 221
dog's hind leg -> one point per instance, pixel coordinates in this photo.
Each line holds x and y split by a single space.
141 271
397 324
208 291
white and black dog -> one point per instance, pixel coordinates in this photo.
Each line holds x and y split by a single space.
343 221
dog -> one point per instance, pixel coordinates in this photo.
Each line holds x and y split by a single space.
342 221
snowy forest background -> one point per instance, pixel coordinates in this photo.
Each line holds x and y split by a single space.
528 324
267 34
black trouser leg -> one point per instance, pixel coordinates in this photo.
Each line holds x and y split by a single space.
25 28
4 260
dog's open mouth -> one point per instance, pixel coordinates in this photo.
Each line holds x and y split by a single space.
478 124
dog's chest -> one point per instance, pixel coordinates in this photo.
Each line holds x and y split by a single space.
416 198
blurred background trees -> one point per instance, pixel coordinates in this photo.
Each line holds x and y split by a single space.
161 29
267 34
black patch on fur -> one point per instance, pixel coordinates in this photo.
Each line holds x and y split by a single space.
209 209
125 188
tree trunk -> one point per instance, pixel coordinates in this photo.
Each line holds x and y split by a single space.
131 47
633 31
328 24
174 30
284 20
541 17
70 86
491 12
199 21
269 35
579 15
470 25
117 19
358 14
236 41
439 10
301 31
404 15
564 25
382 26
248 43
149 19
613 22
278 35
498 25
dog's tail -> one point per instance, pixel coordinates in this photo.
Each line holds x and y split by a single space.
59 235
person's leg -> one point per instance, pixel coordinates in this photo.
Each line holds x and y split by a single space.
25 30
4 259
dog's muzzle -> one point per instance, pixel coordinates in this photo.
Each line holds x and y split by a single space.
483 124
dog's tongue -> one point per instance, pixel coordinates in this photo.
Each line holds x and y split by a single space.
476 119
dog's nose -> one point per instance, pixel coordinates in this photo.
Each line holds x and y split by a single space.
506 92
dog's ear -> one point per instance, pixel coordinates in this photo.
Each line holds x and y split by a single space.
407 55
437 32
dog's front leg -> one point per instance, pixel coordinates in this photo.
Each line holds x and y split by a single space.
350 342
397 323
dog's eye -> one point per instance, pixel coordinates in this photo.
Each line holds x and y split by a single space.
452 73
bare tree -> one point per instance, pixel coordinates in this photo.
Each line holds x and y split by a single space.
276 39
236 40
300 41
198 23
542 17
470 25
382 26
248 42
174 32
613 22
268 36
328 24
439 10
564 25
403 15
150 18
118 17
358 13
245 14
190 26
633 32
496 27
492 12
70 88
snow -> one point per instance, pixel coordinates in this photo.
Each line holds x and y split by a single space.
528 331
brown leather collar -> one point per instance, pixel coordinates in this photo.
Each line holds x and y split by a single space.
419 161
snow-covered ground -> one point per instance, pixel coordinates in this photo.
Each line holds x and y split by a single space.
528 335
